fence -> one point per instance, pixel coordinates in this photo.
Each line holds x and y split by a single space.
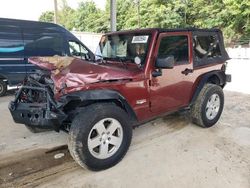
239 53
91 40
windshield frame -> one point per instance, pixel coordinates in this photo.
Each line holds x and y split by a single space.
129 35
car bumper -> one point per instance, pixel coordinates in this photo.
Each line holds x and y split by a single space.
228 78
36 114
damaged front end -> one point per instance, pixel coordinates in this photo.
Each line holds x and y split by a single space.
34 103
50 98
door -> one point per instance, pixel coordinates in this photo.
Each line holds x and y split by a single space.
12 64
173 88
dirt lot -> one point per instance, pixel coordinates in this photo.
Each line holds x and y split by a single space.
168 152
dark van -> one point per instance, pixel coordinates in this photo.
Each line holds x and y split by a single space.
21 39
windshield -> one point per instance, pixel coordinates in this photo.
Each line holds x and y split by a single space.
124 47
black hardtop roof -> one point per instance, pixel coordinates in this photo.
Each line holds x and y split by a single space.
161 30
192 29
29 24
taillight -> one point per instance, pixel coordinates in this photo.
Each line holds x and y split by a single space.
224 67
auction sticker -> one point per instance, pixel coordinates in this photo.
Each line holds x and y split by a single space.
140 39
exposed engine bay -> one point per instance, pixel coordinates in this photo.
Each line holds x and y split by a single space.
34 102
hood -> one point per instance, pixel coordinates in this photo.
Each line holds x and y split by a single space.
74 72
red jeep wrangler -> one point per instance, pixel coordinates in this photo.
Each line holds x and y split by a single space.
137 75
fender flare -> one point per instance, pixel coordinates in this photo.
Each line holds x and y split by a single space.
99 95
220 74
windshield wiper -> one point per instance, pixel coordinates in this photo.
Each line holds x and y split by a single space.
124 60
102 58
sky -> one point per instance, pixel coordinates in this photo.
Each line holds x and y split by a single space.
32 9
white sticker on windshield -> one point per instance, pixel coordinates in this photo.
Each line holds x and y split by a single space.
140 39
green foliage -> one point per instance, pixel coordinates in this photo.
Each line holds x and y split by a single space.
66 15
237 18
47 16
89 18
232 16
165 14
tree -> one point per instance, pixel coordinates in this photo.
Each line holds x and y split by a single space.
232 16
162 14
66 15
47 16
237 19
89 18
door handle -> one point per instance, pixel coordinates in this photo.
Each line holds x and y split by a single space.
187 71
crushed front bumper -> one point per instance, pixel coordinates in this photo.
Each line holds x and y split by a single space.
43 115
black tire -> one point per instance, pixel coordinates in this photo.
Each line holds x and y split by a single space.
199 109
80 130
3 88
36 129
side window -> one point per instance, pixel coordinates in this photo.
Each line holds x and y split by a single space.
176 46
43 45
11 42
206 47
77 50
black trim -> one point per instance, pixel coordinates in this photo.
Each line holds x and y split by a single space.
228 78
210 60
192 29
162 30
222 82
98 95
37 114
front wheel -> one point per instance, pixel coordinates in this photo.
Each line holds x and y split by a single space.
100 136
208 106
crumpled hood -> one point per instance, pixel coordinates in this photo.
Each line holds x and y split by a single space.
74 72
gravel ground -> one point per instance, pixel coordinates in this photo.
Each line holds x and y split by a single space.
168 152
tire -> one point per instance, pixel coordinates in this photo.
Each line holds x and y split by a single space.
3 88
86 127
36 129
208 106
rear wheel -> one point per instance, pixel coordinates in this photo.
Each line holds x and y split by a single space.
3 88
100 136
208 106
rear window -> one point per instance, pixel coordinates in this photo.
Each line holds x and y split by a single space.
206 49
43 45
206 46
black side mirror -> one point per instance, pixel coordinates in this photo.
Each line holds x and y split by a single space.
165 63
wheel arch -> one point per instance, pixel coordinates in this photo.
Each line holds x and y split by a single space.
85 98
217 77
